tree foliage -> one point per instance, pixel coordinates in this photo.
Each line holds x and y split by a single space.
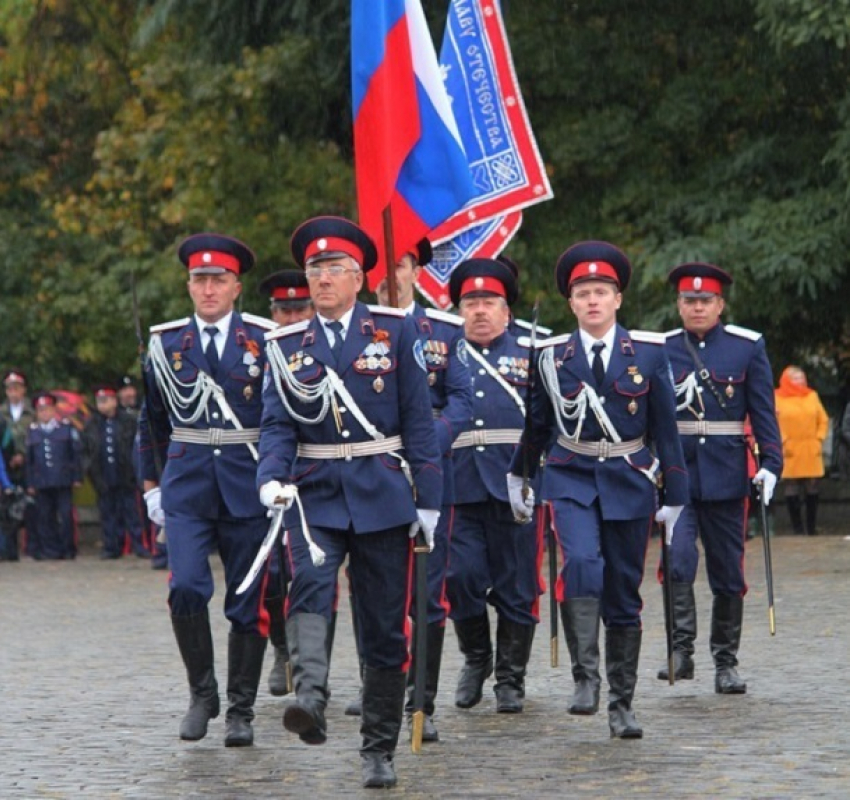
716 132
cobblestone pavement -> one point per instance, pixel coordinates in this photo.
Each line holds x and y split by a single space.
92 692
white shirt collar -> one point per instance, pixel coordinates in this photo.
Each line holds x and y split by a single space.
345 319
587 342
223 326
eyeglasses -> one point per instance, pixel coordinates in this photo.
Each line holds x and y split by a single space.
336 271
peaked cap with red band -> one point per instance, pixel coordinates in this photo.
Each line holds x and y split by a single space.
214 254
697 279
104 390
287 286
44 399
15 376
480 277
321 238
592 261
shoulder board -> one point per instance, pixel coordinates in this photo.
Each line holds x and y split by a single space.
648 337
169 326
674 332
542 330
562 339
523 341
444 316
744 333
260 322
286 330
388 311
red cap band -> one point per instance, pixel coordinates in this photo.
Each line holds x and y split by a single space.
333 244
105 393
45 400
589 270
480 283
14 377
212 258
698 284
291 293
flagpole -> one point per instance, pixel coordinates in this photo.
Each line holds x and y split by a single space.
389 250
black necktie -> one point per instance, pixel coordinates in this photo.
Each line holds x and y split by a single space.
598 366
211 351
336 348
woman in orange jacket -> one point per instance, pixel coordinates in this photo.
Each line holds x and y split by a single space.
803 423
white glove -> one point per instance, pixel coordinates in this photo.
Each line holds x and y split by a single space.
276 496
669 515
768 483
523 508
153 500
427 519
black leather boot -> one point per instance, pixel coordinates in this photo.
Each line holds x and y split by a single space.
473 636
812 514
380 723
329 646
194 638
245 653
307 635
795 513
684 633
580 617
622 651
513 648
435 636
280 676
727 617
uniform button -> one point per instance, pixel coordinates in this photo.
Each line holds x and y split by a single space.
342 409
479 422
702 439
482 371
110 449
702 344
111 460
601 458
486 351
348 458
215 415
346 434
479 394
699 389
216 452
701 415
480 448
602 399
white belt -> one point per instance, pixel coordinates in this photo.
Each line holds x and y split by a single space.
703 427
215 436
602 448
349 451
491 436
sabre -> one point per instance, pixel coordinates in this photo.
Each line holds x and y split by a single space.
420 551
667 591
768 556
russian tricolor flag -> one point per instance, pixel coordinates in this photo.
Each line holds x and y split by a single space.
408 154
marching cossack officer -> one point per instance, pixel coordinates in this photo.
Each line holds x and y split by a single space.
722 378
493 558
348 450
603 395
202 413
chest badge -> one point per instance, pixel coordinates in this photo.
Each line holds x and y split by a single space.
253 370
632 407
432 378
248 392
378 384
730 391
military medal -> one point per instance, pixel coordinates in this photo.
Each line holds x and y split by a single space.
378 384
632 406
308 360
248 392
253 370
248 358
730 391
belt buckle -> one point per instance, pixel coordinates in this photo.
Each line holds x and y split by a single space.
215 436
345 451
479 437
604 448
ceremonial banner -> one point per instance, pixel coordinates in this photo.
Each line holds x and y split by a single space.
504 163
407 150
